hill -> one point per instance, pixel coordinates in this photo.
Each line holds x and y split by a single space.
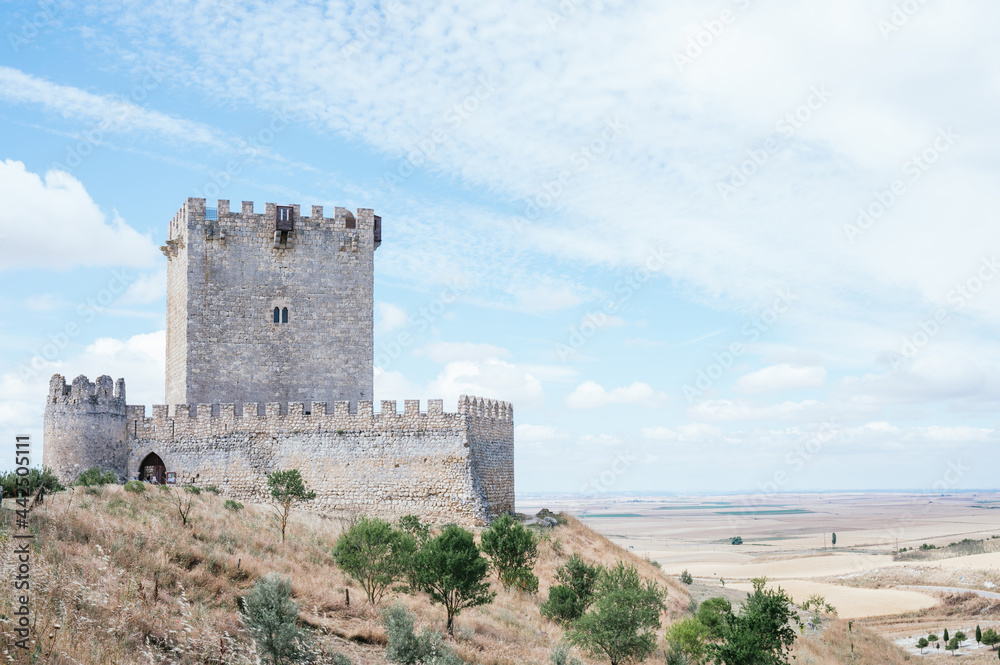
117 578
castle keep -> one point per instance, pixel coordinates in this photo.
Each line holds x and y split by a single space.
270 366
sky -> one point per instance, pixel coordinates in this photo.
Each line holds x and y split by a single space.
701 246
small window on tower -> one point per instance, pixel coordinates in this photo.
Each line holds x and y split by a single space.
276 315
284 218
284 315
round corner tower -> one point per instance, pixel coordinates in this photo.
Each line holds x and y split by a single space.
85 426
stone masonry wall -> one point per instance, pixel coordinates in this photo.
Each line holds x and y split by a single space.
445 467
85 427
226 276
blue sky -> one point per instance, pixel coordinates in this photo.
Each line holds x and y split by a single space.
701 246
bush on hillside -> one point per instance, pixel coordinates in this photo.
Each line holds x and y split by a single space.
686 577
271 617
94 476
235 506
513 551
406 647
135 486
44 477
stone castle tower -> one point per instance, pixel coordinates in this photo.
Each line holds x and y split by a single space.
271 307
270 366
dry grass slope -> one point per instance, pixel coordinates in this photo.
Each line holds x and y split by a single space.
117 579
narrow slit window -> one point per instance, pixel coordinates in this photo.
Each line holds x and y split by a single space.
276 314
284 315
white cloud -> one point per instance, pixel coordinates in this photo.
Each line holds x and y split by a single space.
492 377
723 410
589 395
443 352
147 288
781 377
53 223
538 436
389 317
139 359
106 112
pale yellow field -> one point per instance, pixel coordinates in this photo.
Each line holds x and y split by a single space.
854 603
788 539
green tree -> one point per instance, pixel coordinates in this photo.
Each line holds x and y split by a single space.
375 554
271 617
451 569
686 577
833 539
946 638
712 614
738 540
979 635
952 645
922 644
760 633
45 477
691 637
960 636
572 596
287 489
513 551
932 637
621 622
412 525
991 637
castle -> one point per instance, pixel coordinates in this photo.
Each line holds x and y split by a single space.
270 324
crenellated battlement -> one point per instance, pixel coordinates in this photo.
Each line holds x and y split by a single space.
105 391
281 418
197 213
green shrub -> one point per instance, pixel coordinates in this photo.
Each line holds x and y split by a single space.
407 648
512 550
94 476
36 478
271 617
233 505
563 606
686 577
136 486
560 656
192 489
574 593
214 489
163 488
738 540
